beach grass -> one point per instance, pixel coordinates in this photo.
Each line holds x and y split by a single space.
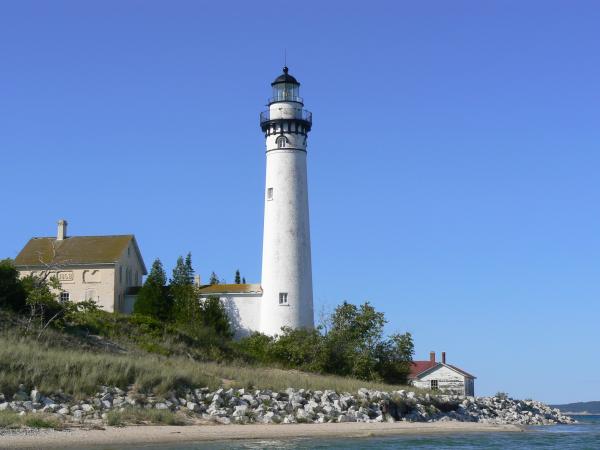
80 373
144 416
11 419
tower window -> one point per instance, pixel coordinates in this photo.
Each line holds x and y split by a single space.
281 142
283 300
64 296
270 194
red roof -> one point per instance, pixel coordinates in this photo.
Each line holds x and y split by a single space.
420 366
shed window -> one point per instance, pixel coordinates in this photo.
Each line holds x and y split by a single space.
434 385
283 299
64 296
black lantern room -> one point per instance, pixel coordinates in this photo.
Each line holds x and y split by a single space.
286 88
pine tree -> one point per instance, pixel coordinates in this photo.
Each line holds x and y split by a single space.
237 277
189 269
243 280
152 300
214 279
182 290
179 273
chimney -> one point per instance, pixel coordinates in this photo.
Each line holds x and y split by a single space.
432 356
443 357
62 230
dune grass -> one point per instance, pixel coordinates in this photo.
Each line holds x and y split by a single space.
10 419
80 373
144 416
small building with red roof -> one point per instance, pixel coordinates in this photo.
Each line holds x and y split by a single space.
441 376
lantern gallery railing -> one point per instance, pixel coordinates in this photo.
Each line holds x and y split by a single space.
286 114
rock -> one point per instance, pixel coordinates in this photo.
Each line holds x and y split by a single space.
223 420
35 396
20 396
161 406
194 407
240 410
4 406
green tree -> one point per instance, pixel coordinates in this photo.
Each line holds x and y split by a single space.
352 345
237 277
152 299
214 279
12 292
180 273
189 270
394 358
183 292
243 280
215 317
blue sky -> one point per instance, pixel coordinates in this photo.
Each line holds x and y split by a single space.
453 162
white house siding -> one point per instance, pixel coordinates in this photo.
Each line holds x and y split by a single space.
243 311
448 380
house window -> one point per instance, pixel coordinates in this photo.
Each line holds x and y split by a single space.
64 296
283 298
434 385
270 194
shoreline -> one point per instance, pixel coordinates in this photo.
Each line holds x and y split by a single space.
152 434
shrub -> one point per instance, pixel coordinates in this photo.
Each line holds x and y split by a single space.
12 293
39 421
9 419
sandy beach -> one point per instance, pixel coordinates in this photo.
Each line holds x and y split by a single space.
112 436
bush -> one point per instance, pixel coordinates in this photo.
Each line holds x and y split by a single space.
354 346
9 419
12 293
140 416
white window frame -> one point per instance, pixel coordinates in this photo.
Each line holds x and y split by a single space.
64 296
434 385
283 299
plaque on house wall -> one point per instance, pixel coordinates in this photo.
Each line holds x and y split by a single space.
91 276
65 276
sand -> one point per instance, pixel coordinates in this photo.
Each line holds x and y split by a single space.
132 435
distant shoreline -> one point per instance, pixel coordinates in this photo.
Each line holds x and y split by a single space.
131 435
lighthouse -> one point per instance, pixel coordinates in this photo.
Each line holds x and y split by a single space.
287 298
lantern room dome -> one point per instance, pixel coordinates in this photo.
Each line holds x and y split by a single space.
285 77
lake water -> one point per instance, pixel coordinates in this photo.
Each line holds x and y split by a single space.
582 436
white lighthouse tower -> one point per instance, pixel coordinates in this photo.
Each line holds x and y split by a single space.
287 298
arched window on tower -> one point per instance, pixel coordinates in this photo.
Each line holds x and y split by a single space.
281 142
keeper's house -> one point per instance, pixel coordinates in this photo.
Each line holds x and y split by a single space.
441 376
107 269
